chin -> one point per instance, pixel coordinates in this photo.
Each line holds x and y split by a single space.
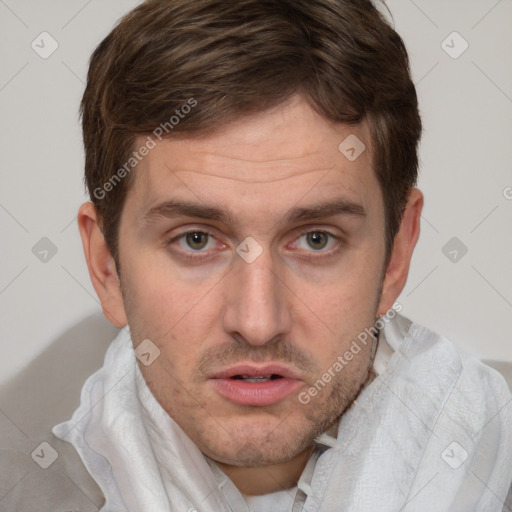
257 442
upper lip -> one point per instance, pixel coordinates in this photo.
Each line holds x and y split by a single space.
252 370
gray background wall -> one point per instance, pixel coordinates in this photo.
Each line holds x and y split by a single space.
466 154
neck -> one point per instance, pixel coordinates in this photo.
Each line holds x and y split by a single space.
267 479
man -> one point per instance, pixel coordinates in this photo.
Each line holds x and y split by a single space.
252 169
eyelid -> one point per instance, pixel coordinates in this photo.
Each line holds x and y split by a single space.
315 229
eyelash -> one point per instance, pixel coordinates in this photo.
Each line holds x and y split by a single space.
199 255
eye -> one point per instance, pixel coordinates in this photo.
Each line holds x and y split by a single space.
201 242
197 241
318 241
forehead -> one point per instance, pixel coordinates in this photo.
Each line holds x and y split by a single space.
276 155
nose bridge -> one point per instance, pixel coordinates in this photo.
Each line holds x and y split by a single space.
256 306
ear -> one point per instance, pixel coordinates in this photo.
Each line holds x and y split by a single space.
102 268
403 247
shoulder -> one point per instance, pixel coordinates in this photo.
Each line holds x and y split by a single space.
429 369
470 406
421 344
46 473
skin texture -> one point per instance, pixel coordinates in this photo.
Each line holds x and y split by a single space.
300 303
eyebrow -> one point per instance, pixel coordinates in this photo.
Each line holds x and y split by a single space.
172 209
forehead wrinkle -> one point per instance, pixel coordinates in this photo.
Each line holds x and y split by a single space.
251 179
217 153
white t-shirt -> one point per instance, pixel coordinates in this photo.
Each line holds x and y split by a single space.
280 501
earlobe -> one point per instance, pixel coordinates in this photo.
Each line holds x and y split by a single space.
101 266
403 247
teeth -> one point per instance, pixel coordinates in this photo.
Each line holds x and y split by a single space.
262 378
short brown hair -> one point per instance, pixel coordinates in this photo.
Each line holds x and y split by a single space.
239 57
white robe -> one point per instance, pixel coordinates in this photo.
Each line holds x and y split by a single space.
432 433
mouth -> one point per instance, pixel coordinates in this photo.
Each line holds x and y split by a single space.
256 386
248 378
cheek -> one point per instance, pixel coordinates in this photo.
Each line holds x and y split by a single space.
158 288
171 311
335 314
349 296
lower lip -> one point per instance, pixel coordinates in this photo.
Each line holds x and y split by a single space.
256 393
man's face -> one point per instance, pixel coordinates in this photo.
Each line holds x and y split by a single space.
295 295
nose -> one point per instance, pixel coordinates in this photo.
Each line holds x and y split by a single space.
256 307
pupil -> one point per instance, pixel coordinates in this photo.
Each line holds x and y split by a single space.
196 240
317 240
